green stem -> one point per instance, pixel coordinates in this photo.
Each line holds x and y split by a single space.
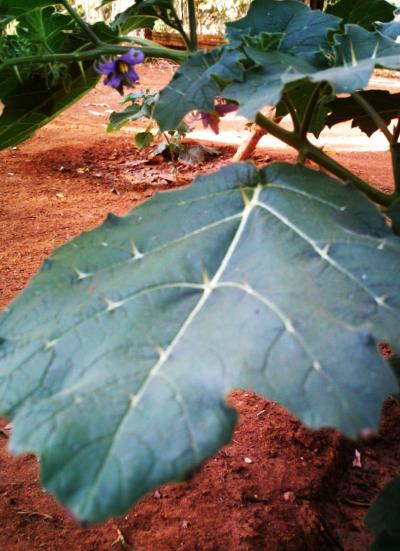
396 131
374 116
395 153
192 24
175 55
309 112
87 29
147 45
181 30
137 40
310 151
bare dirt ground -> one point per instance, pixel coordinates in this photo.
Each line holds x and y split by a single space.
299 492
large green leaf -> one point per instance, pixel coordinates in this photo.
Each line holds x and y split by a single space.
362 12
307 50
39 92
305 32
391 30
348 68
384 518
348 109
196 85
116 362
31 105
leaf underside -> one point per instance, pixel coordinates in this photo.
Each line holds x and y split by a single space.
387 105
116 362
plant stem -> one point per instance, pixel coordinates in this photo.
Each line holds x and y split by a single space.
167 53
395 153
87 29
310 151
396 131
181 30
192 24
374 115
147 45
309 112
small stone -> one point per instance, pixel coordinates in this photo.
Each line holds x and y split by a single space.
357 459
248 460
185 524
289 497
157 495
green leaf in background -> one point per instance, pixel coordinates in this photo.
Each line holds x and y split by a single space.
45 28
31 105
39 92
362 12
143 139
142 105
299 96
13 9
144 13
347 109
196 85
383 518
116 362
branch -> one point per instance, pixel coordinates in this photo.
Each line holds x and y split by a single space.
312 152
395 154
93 54
192 24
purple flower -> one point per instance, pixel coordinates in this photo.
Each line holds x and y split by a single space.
120 71
212 119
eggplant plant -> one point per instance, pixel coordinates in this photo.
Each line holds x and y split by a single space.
116 361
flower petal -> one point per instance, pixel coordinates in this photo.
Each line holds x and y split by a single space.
133 57
131 76
225 108
114 80
214 125
205 118
106 67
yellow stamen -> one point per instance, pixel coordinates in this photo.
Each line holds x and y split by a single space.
123 67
